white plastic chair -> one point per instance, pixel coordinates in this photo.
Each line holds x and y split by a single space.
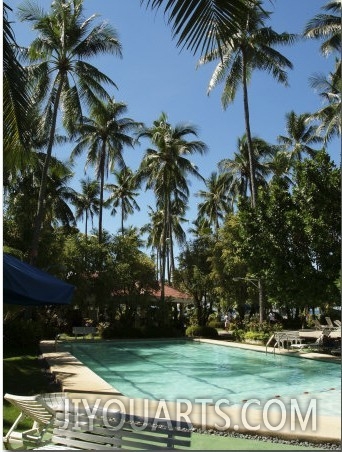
41 409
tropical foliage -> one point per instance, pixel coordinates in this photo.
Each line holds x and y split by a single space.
203 24
286 247
60 74
252 48
165 168
104 134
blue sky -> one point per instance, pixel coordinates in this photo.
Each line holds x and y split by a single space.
155 76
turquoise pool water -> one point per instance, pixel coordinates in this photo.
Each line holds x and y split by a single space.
172 370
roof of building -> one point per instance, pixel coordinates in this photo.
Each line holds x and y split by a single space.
173 294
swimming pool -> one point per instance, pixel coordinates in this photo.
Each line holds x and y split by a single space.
174 370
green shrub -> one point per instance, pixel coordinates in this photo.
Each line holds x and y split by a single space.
216 324
238 334
119 331
256 336
264 327
23 332
201 331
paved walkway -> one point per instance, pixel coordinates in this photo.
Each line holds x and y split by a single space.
73 375
81 383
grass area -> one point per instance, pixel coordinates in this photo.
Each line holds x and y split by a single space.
23 374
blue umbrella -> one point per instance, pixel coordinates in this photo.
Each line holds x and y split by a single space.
26 285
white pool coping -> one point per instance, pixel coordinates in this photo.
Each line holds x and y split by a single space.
79 382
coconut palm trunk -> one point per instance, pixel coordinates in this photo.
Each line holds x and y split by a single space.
42 191
122 220
172 259
248 132
86 224
164 244
102 176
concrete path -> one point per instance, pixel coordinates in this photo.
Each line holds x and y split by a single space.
71 373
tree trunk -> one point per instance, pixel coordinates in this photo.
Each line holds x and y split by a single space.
86 224
42 191
102 171
248 135
172 258
122 219
261 301
163 248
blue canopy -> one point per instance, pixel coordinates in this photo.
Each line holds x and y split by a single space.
27 285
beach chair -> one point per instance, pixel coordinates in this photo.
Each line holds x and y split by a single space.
318 326
330 323
337 323
325 328
75 429
309 345
40 409
325 343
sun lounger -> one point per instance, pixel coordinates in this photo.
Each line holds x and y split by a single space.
330 323
75 429
325 328
337 323
325 342
307 345
40 408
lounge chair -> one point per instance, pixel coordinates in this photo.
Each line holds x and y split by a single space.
330 323
306 345
74 429
337 323
317 324
324 328
40 409
324 343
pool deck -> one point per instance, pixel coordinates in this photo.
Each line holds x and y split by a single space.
81 383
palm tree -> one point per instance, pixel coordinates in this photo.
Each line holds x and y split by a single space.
59 194
299 136
177 233
251 48
215 200
329 116
202 24
87 202
123 194
16 98
104 134
21 195
327 27
154 229
238 169
201 227
61 72
165 169
280 165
